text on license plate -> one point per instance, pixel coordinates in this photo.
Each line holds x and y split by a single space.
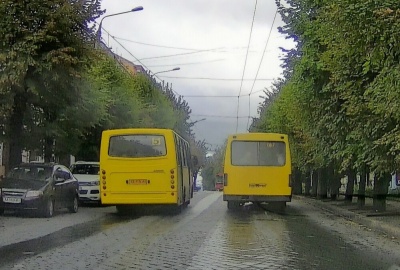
11 200
136 181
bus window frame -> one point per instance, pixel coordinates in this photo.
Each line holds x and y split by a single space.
121 135
258 154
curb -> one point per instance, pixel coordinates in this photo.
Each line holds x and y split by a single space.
376 225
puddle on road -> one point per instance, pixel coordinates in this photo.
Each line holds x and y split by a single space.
14 252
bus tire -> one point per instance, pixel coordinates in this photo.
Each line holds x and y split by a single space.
124 210
279 206
233 205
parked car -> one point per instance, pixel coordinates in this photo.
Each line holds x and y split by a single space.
40 187
87 173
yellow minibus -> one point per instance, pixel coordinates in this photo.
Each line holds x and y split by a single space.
257 168
141 166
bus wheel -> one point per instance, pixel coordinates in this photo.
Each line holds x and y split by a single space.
278 206
125 210
233 205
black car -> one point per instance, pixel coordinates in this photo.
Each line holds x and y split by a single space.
41 187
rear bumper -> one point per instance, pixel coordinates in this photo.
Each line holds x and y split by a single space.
145 198
258 198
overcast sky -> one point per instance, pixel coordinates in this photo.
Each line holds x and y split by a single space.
220 30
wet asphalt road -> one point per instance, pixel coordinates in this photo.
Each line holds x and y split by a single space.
204 236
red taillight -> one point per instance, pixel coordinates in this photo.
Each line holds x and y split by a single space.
225 179
290 180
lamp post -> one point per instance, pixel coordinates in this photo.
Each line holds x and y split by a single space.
191 124
115 14
174 69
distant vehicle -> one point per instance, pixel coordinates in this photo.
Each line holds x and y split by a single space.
39 187
87 173
219 186
257 168
197 187
145 167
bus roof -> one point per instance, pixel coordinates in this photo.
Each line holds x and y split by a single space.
258 136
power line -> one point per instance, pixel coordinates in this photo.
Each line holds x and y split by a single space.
218 116
245 62
215 79
119 43
186 64
259 66
179 54
219 96
154 45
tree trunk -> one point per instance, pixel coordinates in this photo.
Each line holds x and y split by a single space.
335 185
296 182
322 189
307 186
16 127
49 149
381 182
351 178
361 188
314 181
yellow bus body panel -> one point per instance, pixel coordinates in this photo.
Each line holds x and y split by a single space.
262 182
147 180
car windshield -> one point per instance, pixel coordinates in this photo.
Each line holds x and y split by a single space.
30 173
92 169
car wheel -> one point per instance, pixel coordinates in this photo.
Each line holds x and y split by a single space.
48 210
75 205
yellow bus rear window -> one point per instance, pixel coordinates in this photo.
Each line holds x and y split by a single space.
258 153
136 146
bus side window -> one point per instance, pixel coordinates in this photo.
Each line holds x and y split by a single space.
184 155
178 150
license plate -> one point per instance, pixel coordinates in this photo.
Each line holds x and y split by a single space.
11 200
136 181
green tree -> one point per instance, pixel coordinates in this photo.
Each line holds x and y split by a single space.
44 49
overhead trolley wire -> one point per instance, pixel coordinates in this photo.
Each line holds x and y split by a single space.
259 66
190 63
178 54
119 43
154 45
217 116
219 96
244 68
215 79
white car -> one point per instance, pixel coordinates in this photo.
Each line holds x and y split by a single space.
88 176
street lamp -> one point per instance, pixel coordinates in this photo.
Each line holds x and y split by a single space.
191 124
115 14
174 69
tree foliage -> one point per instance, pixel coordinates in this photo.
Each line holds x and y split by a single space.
339 97
58 93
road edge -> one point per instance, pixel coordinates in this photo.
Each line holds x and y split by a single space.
376 225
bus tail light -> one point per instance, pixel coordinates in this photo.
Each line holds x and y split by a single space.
104 177
225 179
290 180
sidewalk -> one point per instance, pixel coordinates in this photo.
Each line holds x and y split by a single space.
387 222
